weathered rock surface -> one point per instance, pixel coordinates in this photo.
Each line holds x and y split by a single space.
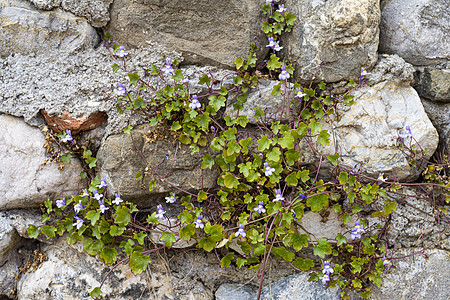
416 277
8 237
439 115
24 181
416 30
343 35
119 163
205 31
28 30
433 83
229 291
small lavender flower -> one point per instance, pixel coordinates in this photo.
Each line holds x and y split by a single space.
363 72
121 52
356 231
406 134
85 193
284 74
61 203
274 45
381 178
166 157
278 197
195 103
260 155
300 94
102 183
199 222
171 199
168 67
281 9
97 196
327 269
68 137
260 208
79 222
385 262
268 170
102 208
78 207
325 278
160 212
185 80
302 196
213 129
117 200
241 231
121 91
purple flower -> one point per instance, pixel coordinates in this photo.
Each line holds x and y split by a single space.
102 183
78 207
363 73
325 278
269 2
160 212
185 80
406 134
102 208
281 9
302 196
61 203
79 222
121 52
97 196
356 231
260 208
199 223
121 91
284 74
171 199
168 67
274 45
300 94
213 129
268 170
117 200
85 193
261 156
278 197
195 103
241 231
381 178
385 262
327 269
68 137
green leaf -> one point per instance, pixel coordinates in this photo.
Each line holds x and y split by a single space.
48 230
206 243
187 232
168 238
277 90
204 80
274 155
317 202
240 262
96 293
304 264
123 216
116 230
322 248
230 180
274 63
333 158
134 78
93 216
299 241
315 126
287 141
128 129
292 156
92 247
291 179
32 231
226 260
207 162
283 253
322 85
108 255
324 138
178 75
258 114
66 157
138 262
115 67
139 103
264 143
303 175
341 239
185 139
239 61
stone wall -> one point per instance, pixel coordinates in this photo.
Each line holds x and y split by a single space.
54 72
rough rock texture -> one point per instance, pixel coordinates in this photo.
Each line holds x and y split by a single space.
24 29
24 181
261 97
439 115
416 30
327 227
205 31
417 277
8 270
342 34
119 163
8 238
413 225
229 291
433 83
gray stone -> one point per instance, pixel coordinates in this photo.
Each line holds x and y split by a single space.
120 161
8 238
416 30
433 83
297 287
439 115
205 31
416 277
8 270
95 11
24 29
231 291
24 181
46 4
325 227
341 34
392 68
